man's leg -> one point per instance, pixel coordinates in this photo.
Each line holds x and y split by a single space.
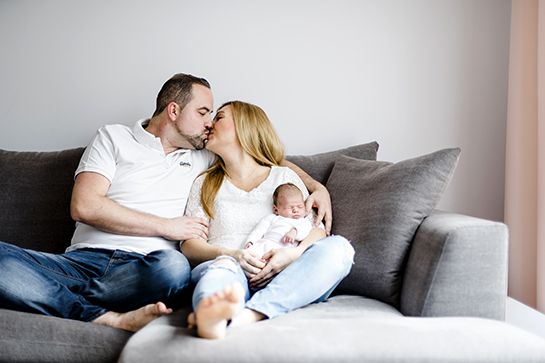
37 282
132 281
45 283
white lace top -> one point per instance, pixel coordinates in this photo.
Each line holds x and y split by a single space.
237 212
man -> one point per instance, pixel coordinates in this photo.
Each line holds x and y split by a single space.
124 267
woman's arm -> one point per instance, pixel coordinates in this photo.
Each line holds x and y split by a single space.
198 251
279 259
319 197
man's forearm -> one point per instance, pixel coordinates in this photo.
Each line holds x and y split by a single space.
90 205
108 216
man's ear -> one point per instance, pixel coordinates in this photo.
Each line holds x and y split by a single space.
173 111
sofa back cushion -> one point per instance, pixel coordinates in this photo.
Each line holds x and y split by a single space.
36 188
378 206
319 166
35 193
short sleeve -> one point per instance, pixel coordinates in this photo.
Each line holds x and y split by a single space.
194 205
99 156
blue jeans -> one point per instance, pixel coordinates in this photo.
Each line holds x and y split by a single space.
309 279
84 284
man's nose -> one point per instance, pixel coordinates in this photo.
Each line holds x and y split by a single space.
208 123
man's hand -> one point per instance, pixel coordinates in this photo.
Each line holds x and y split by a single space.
183 228
321 200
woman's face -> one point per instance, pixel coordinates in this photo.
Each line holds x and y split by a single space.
223 133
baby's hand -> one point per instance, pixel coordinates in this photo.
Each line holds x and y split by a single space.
290 236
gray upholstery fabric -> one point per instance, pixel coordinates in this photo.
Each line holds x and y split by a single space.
378 207
35 192
343 329
457 267
36 338
319 166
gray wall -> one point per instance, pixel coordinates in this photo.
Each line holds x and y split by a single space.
414 75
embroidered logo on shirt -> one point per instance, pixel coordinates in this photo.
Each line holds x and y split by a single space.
185 165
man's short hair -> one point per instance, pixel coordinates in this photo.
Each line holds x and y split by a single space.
178 89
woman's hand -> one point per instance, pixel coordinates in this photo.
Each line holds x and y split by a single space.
250 263
277 260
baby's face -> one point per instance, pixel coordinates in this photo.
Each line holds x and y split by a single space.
290 205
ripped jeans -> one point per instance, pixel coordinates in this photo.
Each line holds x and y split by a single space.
309 279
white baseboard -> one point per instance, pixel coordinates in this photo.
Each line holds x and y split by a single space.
522 316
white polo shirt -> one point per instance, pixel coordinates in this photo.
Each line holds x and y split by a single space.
142 178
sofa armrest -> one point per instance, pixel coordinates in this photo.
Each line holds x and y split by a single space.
457 267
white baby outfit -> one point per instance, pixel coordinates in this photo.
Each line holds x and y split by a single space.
270 231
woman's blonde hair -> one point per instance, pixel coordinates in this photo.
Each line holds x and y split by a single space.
258 138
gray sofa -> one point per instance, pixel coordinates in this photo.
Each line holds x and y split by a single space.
426 286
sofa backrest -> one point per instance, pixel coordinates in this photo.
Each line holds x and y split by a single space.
36 188
35 193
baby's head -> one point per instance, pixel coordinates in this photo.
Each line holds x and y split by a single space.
289 202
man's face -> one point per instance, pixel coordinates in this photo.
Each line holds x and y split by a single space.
194 122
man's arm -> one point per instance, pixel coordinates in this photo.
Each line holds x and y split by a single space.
319 197
91 206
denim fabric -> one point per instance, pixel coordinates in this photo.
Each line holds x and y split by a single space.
84 284
210 278
311 278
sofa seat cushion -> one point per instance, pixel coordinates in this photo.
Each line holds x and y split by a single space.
26 337
342 329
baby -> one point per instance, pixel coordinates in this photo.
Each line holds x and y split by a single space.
283 228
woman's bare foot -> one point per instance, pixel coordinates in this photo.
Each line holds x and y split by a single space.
214 311
133 320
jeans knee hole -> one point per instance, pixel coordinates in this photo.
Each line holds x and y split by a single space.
226 263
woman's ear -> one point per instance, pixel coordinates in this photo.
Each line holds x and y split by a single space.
173 111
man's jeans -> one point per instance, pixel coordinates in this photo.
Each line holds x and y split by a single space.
311 278
84 284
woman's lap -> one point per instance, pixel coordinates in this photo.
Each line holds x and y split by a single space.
310 278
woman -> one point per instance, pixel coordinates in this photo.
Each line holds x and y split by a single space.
233 285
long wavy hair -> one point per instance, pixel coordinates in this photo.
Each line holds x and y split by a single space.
257 137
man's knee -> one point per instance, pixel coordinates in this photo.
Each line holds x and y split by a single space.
170 265
167 257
